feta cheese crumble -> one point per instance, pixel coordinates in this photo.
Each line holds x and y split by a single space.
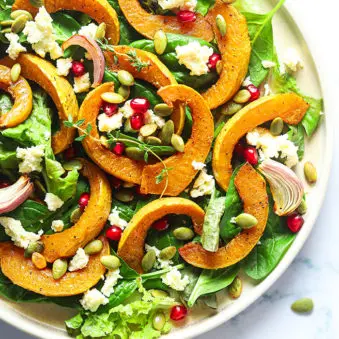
195 57
57 225
151 118
89 31
82 83
187 5
247 81
126 110
160 264
15 48
114 219
198 166
292 61
175 280
92 300
268 64
203 185
31 158
53 202
64 66
79 261
108 124
18 234
111 280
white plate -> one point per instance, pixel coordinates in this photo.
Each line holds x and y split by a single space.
46 321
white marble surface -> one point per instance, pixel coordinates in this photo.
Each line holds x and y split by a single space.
315 272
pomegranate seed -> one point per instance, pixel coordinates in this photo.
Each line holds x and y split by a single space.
140 105
161 224
137 121
239 149
83 200
254 91
115 182
178 312
4 183
78 68
186 16
114 233
119 148
295 222
70 153
251 155
213 60
109 109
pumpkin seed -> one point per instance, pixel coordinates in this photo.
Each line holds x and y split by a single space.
6 23
135 153
125 78
93 247
163 110
166 133
59 268
39 261
235 289
178 143
111 262
19 12
160 42
303 305
168 253
101 31
36 246
6 30
230 108
277 126
15 72
219 67
124 91
148 130
302 209
153 141
159 321
183 233
73 164
76 214
37 3
112 98
242 96
310 172
221 24
148 261
19 24
246 221
159 293
124 195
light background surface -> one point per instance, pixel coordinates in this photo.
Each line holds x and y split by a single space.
315 272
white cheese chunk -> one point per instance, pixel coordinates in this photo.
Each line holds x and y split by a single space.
292 61
79 261
53 202
198 166
188 5
111 280
151 118
114 219
64 66
89 31
108 124
57 225
175 280
203 185
82 83
268 64
31 158
160 264
14 48
126 110
92 300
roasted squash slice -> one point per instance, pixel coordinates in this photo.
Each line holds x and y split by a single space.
181 171
290 107
23 99
91 222
98 10
148 24
132 243
22 272
45 75
252 190
235 49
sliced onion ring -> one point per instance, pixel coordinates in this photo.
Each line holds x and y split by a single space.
93 50
287 189
13 196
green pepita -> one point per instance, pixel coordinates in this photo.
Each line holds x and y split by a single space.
231 108
124 195
310 172
183 233
160 42
168 253
5 23
148 130
148 260
37 3
93 247
101 31
19 24
163 110
15 72
159 293
159 321
112 98
6 30
302 209
19 12
235 289
277 126
246 221
111 262
221 24
242 96
303 305
59 268
128 128
153 141
36 246
125 78
124 91
135 153
73 164
219 66
166 133
75 216
178 143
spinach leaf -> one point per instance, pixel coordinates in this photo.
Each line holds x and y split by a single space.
8 159
203 6
64 26
74 324
246 5
296 135
146 90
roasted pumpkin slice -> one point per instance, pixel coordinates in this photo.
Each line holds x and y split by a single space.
252 190
98 10
23 99
235 49
22 272
91 222
148 24
45 75
132 243
290 107
180 169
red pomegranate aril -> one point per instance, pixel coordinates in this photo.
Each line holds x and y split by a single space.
161 224
213 60
78 68
83 200
251 155
178 312
140 105
114 233
119 148
115 182
186 16
295 222
4 184
70 153
137 121
109 109
239 149
254 91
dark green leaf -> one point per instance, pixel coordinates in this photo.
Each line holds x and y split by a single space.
296 135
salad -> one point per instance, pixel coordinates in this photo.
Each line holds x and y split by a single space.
147 156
